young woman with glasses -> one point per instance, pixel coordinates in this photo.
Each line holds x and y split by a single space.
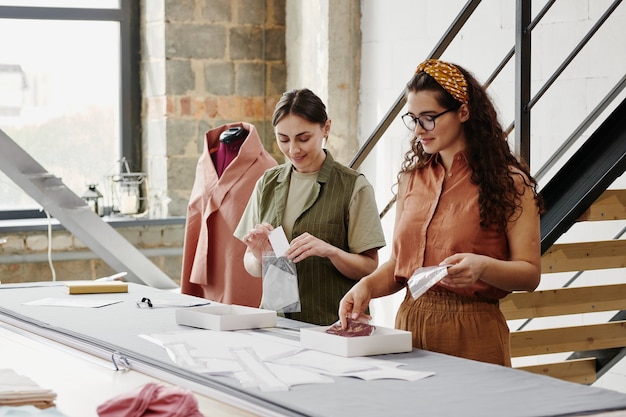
466 202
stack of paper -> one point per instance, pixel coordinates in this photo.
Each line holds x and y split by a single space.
16 390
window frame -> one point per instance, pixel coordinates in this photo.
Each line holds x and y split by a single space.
127 15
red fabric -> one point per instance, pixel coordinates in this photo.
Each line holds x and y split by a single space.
153 400
225 154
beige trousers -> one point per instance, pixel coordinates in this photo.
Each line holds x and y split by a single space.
461 326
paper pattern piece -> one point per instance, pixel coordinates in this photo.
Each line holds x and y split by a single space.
257 370
268 362
72 302
163 303
32 284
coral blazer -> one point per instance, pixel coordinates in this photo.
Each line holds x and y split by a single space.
212 257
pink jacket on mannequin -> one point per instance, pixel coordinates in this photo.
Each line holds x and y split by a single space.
212 257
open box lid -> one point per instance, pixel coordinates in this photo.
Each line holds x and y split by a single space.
226 317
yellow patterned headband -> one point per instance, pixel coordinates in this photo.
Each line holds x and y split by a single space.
447 76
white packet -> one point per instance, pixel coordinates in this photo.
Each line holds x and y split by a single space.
425 277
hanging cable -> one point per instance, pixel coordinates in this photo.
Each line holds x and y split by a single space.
54 276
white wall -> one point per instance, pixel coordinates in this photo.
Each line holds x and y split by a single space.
307 56
398 35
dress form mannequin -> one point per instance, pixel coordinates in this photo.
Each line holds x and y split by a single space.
209 270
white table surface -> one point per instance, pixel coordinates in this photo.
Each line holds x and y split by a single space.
81 381
459 387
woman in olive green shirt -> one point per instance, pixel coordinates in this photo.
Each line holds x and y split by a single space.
328 211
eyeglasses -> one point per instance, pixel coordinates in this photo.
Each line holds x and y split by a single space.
426 121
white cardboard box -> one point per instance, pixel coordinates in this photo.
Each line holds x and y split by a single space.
384 340
226 317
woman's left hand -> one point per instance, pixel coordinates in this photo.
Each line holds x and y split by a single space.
307 245
464 270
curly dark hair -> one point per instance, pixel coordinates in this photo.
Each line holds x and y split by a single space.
489 156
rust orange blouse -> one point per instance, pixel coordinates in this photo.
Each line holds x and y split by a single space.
440 217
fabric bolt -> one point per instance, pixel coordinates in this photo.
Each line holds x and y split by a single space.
448 76
212 258
17 390
331 212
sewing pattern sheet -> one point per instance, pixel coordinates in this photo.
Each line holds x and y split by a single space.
270 356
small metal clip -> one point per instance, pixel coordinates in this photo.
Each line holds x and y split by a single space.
120 362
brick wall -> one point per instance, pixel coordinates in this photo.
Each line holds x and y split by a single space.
205 63
24 255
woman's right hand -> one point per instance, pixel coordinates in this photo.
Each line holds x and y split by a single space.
257 239
354 304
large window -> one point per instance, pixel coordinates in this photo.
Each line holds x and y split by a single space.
68 90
